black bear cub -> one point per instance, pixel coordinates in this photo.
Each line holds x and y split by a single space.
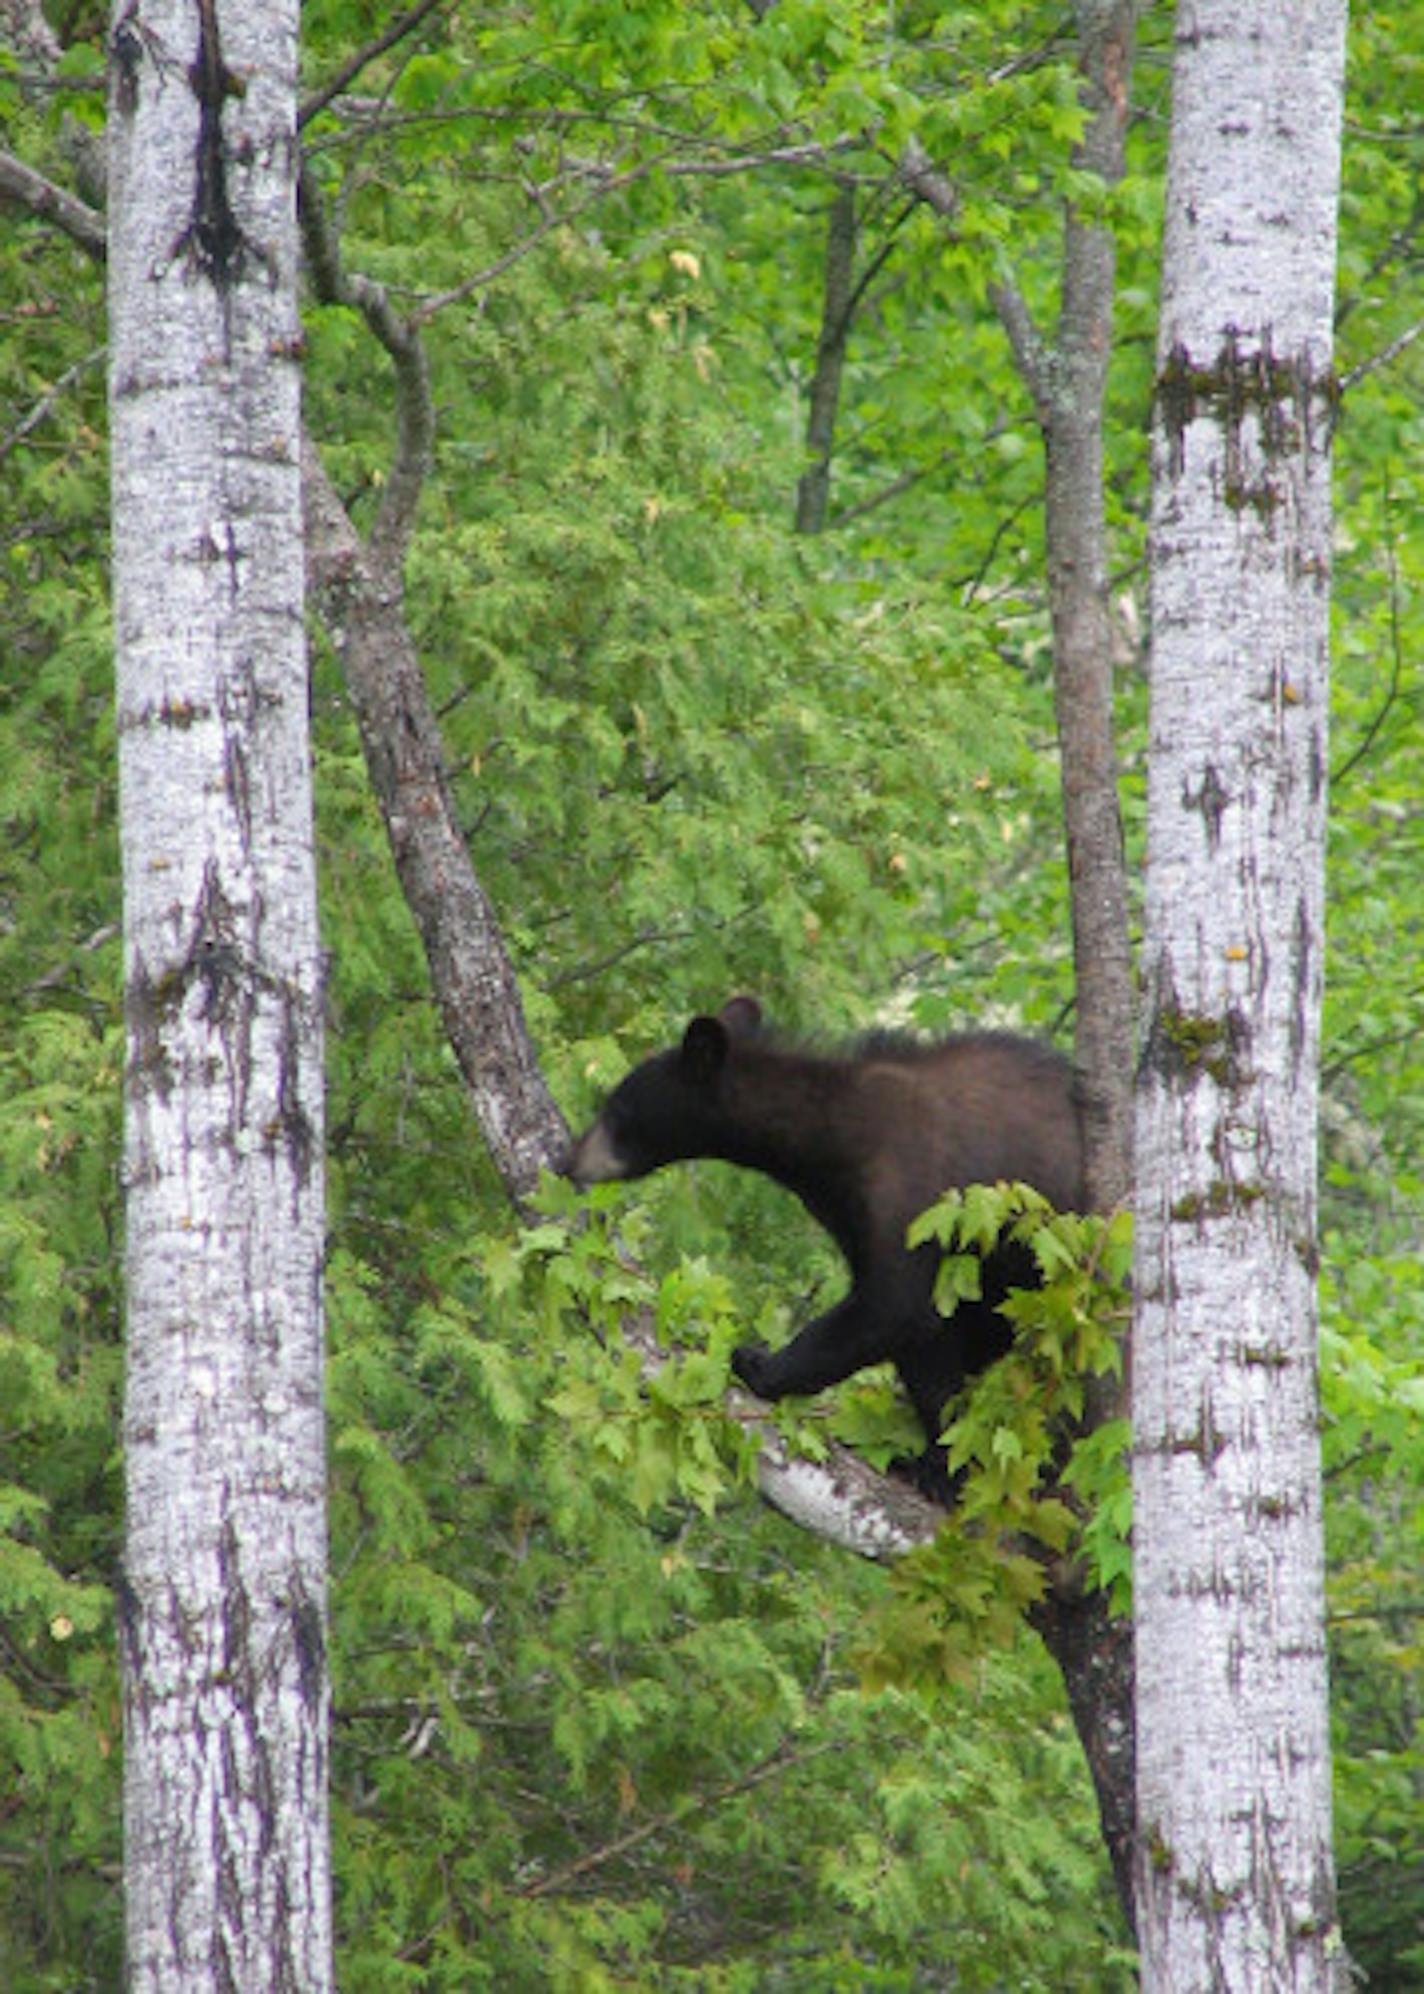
867 1141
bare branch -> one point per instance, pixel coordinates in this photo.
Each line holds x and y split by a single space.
1032 353
708 154
415 409
926 181
930 184
1383 358
1396 676
781 1760
820 154
359 594
814 490
609 182
887 494
47 401
352 68
28 189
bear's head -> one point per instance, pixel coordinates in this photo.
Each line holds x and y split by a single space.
667 1109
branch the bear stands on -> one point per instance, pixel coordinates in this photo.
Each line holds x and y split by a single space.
867 1140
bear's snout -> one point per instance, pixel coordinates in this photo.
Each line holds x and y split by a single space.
593 1160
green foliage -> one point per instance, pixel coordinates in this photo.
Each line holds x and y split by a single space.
585 1719
1031 1488
1373 1400
59 1375
1372 1193
60 1059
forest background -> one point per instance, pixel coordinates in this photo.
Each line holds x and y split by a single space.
599 1720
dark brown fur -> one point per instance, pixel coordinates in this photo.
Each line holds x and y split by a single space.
867 1141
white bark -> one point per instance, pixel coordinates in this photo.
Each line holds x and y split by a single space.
222 1608
1235 1879
841 1499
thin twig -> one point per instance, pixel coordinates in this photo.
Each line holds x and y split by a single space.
351 69
781 1760
609 183
47 401
1383 358
1371 735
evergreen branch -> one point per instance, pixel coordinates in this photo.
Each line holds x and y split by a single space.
607 180
723 157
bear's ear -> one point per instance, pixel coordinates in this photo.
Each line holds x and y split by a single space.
741 1016
704 1049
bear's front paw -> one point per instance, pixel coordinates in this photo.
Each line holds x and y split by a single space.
752 1363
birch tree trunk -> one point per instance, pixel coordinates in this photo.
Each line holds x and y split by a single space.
1235 1882
222 1605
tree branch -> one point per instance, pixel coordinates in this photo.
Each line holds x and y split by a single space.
781 1760
887 494
1067 379
401 341
927 182
471 973
814 489
352 68
609 182
1383 358
47 401
1033 355
1396 676
841 1498
31 190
